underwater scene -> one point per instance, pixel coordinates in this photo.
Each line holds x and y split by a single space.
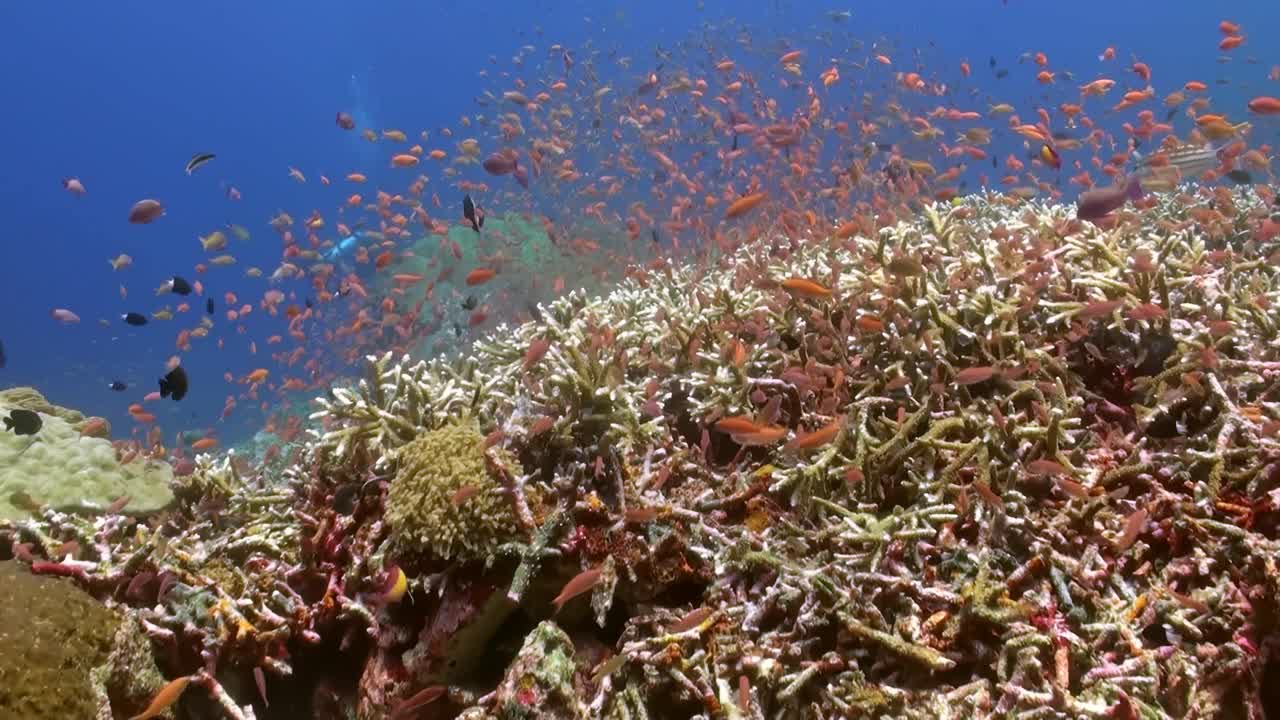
640 361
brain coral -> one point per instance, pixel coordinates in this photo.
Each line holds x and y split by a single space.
58 467
425 510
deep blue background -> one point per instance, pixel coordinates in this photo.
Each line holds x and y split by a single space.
120 94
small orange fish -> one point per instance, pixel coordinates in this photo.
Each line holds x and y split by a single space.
581 583
805 288
817 438
167 696
480 276
1132 529
975 375
204 443
743 205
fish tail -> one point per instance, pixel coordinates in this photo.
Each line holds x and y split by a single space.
8 423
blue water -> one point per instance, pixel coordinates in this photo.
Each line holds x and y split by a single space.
121 94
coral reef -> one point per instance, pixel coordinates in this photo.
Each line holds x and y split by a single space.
991 462
65 470
539 682
443 501
64 655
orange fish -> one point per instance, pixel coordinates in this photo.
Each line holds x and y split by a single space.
581 583
480 276
204 443
743 205
805 288
167 696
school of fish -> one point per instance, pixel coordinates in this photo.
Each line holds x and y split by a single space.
682 156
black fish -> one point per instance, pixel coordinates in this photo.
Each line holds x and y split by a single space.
469 212
117 386
23 422
470 303
1002 74
179 286
174 384
1169 115
197 160
308 303
3 359
994 162
1240 177
735 141
457 330
653 232
992 62
133 318
208 305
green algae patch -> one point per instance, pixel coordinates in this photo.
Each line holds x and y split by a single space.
57 645
443 501
60 468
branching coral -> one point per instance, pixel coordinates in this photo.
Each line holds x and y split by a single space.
990 462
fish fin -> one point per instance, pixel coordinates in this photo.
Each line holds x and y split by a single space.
8 423
1134 189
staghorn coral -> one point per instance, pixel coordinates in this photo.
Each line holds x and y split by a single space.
1014 466
423 509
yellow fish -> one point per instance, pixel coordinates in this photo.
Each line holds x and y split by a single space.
223 260
214 241
240 231
164 314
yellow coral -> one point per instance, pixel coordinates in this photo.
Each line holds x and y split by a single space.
425 510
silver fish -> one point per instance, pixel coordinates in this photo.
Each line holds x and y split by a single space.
1191 161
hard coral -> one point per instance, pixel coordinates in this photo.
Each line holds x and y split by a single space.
443 502
60 650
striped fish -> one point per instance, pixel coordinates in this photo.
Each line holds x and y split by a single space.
1190 162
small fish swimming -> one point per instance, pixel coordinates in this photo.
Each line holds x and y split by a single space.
117 386
208 305
23 422
176 285
174 384
470 213
145 211
1098 203
197 160
135 319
